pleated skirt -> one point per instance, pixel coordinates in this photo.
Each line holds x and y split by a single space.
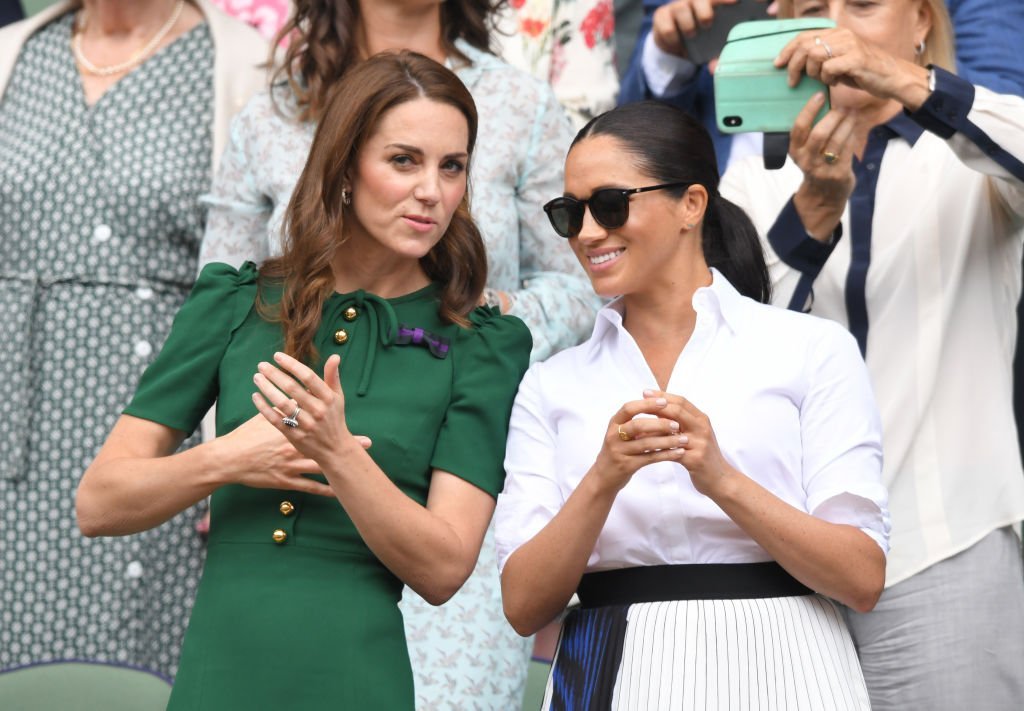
787 653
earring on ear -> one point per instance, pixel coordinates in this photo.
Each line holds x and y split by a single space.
919 48
346 197
689 225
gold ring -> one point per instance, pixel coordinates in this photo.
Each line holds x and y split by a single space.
829 157
623 435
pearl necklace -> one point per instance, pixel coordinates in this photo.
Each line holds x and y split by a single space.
145 51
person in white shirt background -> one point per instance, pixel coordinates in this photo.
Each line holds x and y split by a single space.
740 470
900 215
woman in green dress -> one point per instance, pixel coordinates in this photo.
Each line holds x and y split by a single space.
331 492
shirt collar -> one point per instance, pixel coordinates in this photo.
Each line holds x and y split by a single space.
719 301
903 126
479 62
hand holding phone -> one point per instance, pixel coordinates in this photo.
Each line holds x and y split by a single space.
697 29
824 153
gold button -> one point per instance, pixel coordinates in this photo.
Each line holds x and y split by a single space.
286 508
280 536
350 313
341 336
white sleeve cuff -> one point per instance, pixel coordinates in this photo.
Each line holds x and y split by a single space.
665 73
858 509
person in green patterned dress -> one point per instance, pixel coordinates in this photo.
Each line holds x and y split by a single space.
102 163
330 493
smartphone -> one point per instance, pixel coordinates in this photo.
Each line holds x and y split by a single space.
708 42
751 93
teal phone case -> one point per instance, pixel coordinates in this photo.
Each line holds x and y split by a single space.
751 94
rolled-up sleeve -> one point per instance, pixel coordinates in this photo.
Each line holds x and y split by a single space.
531 496
841 433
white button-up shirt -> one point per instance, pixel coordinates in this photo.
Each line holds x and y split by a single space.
787 395
927 275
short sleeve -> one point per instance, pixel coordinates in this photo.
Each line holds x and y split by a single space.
180 386
532 496
489 361
841 432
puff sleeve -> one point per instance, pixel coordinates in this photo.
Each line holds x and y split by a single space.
181 385
489 361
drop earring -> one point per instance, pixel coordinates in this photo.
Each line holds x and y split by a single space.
346 197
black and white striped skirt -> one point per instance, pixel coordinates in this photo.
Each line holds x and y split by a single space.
624 651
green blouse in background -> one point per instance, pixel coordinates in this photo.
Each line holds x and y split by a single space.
294 611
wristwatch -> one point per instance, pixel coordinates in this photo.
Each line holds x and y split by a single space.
931 78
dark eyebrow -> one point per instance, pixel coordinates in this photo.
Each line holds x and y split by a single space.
406 148
419 151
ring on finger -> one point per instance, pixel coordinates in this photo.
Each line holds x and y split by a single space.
623 435
830 157
824 45
293 419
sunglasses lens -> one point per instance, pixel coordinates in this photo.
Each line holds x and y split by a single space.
566 216
610 208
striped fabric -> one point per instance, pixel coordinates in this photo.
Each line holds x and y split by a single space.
790 653
588 659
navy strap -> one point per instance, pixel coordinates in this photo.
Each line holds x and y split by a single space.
945 113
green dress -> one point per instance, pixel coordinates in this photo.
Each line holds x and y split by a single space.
294 611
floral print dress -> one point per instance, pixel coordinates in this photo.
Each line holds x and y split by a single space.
568 43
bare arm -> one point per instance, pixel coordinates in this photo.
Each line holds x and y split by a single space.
836 560
431 548
136 481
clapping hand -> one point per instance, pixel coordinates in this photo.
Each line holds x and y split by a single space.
313 407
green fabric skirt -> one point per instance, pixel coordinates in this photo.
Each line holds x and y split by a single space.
294 627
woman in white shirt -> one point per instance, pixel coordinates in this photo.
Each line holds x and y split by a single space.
900 215
737 484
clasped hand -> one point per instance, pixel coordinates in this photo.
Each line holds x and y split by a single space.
661 427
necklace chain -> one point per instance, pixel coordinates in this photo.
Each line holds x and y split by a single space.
138 56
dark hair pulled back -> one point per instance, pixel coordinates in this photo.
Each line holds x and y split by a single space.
672 147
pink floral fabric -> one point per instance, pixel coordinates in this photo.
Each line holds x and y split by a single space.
267 16
567 43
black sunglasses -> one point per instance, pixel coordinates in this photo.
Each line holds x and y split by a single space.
609 207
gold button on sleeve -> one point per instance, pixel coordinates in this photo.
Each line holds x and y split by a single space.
341 336
280 535
286 508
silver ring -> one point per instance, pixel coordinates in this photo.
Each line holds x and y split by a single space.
822 43
292 420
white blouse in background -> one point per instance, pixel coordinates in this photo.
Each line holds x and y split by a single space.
789 400
946 227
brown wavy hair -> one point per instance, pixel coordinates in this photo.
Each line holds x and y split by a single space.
324 44
316 216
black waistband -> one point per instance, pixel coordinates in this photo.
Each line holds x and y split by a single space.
710 581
